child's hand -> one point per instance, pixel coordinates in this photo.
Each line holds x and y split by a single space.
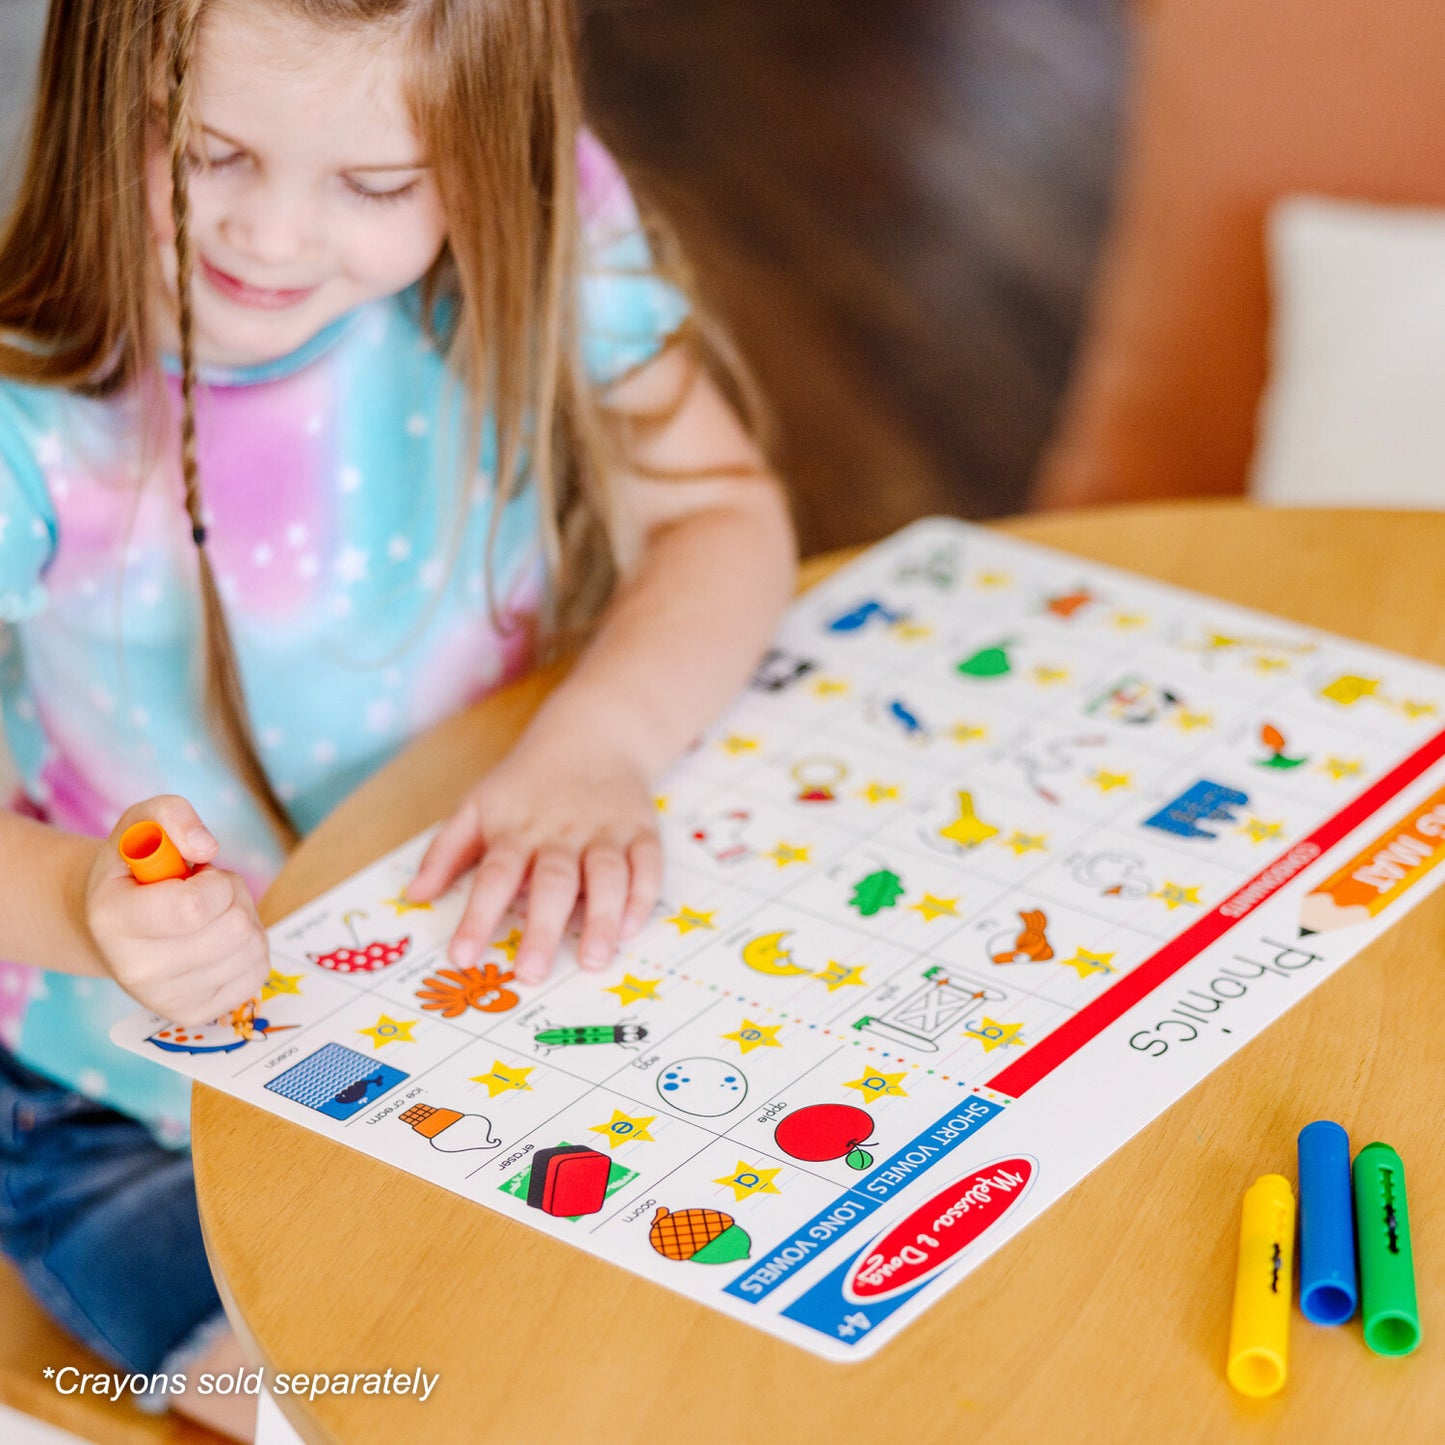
190 949
567 820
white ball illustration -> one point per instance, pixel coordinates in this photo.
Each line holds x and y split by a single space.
706 1087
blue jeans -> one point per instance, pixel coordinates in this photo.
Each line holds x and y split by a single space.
102 1223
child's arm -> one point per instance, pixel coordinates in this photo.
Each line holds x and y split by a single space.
190 949
42 905
570 810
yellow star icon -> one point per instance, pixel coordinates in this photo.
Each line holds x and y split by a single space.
967 733
932 907
510 944
686 919
390 1031
1341 768
1044 676
907 631
1350 689
993 1035
1085 963
1023 843
735 745
1174 896
1412 708
1269 664
1187 721
630 990
749 1036
502 1078
748 1179
659 803
786 853
403 904
1106 781
829 687
280 983
876 793
876 1086
840 975
1127 621
624 1129
993 580
1258 831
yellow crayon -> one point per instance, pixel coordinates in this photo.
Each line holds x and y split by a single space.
1259 1331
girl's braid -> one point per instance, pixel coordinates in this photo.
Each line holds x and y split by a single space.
225 697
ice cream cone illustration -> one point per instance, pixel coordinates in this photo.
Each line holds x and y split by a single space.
704 1236
450 1130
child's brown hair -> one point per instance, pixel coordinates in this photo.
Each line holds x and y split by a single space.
496 102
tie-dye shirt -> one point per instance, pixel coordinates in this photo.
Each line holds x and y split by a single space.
331 525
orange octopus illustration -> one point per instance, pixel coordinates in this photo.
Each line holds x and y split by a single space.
471 987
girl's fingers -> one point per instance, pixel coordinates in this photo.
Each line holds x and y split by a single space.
225 985
605 879
551 894
499 876
177 907
454 849
644 858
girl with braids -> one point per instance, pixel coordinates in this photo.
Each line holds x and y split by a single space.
337 377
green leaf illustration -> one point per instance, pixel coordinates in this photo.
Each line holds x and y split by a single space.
877 891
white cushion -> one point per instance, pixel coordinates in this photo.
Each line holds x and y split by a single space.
1354 411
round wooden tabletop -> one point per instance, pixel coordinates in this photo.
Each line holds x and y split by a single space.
1107 1319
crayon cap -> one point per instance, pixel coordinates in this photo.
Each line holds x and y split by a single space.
1387 1262
1327 1290
149 853
1259 1328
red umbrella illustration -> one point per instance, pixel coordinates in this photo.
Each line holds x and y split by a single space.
364 957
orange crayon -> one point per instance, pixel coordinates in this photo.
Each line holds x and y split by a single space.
1380 872
150 855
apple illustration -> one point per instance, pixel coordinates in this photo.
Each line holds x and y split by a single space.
826 1131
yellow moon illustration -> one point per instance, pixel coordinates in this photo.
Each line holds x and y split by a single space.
766 954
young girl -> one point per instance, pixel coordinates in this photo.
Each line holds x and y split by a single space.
334 371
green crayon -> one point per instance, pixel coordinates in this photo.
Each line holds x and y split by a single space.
1387 1264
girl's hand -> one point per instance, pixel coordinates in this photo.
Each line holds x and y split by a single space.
567 819
190 949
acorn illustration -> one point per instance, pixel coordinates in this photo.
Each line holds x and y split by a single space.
705 1236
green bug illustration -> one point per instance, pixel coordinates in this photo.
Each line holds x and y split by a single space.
624 1033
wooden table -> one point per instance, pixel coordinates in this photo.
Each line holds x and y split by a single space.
1106 1320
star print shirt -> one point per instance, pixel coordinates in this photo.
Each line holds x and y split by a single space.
331 531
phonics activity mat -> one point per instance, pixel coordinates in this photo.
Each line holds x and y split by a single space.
998 855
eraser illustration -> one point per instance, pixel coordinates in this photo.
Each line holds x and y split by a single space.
568 1180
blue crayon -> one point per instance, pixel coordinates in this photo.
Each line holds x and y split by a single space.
1327 1288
